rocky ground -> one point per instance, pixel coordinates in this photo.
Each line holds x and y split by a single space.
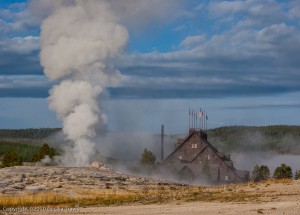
32 179
141 195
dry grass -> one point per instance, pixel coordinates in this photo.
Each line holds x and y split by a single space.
121 197
83 199
149 195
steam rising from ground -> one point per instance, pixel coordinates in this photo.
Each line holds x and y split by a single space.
130 145
78 39
257 148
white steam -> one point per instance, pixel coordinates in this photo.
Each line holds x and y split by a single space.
77 41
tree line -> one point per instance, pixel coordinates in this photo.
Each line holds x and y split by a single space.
29 133
261 173
281 139
12 158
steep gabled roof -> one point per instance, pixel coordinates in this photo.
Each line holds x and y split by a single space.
208 144
203 137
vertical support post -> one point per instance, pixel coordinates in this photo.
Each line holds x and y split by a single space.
162 142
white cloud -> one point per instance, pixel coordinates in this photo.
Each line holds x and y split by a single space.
179 82
199 7
135 14
21 45
269 11
139 14
251 41
180 28
17 19
23 81
294 9
257 49
276 33
192 41
227 7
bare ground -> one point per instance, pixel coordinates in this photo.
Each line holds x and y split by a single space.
146 195
199 208
272 197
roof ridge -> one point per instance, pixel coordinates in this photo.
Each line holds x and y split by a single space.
185 139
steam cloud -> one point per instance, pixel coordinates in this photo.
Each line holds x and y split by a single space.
78 39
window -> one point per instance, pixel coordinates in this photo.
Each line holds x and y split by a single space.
194 146
180 157
208 157
226 178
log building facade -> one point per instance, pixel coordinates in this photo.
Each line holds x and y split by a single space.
195 159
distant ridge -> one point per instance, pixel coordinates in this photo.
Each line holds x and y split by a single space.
29 133
277 138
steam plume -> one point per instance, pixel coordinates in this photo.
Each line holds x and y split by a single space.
78 39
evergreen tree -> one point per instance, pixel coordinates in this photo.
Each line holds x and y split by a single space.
297 174
255 173
283 171
264 172
260 173
44 150
148 158
11 159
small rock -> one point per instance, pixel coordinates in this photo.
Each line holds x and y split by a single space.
9 191
56 186
5 184
99 166
35 188
18 186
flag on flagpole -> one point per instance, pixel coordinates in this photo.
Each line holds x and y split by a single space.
201 114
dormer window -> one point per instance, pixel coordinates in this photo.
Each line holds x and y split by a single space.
194 145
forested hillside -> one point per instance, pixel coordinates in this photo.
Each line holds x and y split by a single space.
24 150
30 133
24 142
281 139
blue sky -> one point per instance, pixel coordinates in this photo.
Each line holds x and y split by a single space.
239 60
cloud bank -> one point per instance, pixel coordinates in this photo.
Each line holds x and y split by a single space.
217 48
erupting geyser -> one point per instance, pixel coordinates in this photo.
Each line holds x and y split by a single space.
77 41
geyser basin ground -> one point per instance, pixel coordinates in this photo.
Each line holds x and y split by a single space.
86 186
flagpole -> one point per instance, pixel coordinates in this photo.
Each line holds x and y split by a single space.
204 116
206 121
192 119
201 119
196 121
199 122
189 118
